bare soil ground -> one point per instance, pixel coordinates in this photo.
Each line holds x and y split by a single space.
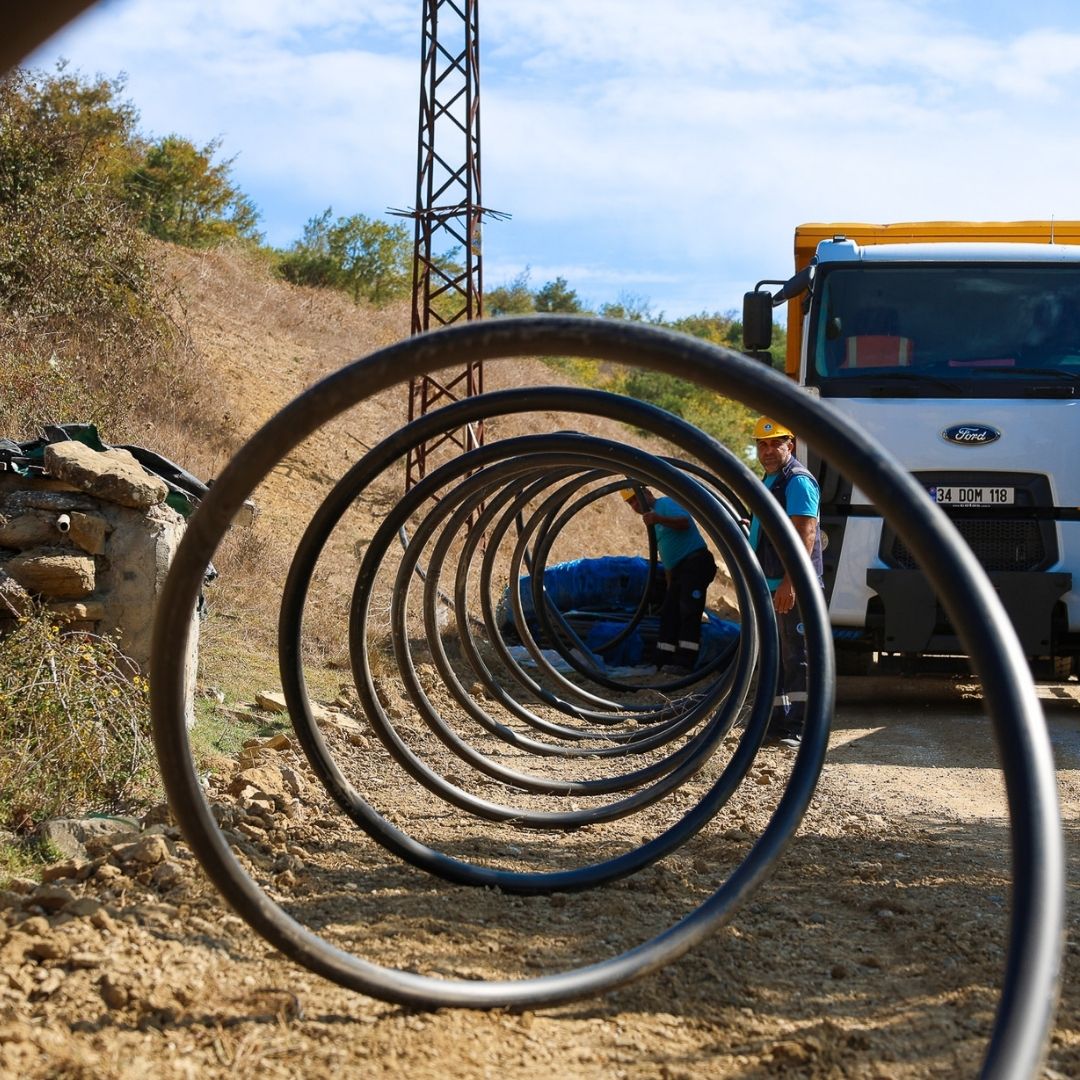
875 950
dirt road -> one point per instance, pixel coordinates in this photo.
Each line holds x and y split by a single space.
875 951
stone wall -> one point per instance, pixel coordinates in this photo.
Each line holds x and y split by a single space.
93 539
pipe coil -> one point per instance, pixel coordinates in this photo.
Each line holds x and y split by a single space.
565 744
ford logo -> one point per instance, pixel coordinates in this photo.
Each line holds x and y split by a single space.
971 434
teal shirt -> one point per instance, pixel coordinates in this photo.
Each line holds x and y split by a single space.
675 544
803 500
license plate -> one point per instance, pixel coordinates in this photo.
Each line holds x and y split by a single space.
972 495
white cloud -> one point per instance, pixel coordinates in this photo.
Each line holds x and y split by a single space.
638 145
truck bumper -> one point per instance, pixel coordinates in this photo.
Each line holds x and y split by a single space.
914 621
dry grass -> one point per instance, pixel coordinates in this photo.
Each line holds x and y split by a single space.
74 724
248 344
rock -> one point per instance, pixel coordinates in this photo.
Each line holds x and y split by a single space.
291 779
83 907
50 948
285 880
170 832
61 870
252 756
70 836
158 814
167 874
14 599
53 573
103 921
790 1052
272 701
132 576
265 779
18 494
149 851
88 531
48 984
88 610
30 529
35 926
49 897
85 961
246 515
113 993
337 720
280 741
112 475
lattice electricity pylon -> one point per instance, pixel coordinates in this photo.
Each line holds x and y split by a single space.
447 264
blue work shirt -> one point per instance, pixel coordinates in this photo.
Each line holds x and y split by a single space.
675 544
803 499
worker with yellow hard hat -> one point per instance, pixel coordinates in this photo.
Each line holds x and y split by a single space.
770 429
795 488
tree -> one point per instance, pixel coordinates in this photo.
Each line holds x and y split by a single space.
66 245
89 119
726 329
514 298
179 194
631 308
79 296
369 259
557 296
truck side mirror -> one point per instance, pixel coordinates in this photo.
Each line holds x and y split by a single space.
757 320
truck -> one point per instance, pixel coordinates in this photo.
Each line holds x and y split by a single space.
955 345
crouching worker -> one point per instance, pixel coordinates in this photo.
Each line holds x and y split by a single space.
688 567
794 487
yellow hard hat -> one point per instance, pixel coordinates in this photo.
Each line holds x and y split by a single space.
770 429
628 494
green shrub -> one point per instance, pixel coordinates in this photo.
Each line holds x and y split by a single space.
82 311
368 259
74 725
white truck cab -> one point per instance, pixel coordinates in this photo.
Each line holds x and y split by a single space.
961 356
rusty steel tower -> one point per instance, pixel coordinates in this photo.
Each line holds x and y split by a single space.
447 266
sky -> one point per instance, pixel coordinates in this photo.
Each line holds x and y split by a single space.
652 153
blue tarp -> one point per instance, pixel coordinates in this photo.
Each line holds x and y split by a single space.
598 597
612 583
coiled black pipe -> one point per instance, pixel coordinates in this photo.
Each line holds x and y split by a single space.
1029 990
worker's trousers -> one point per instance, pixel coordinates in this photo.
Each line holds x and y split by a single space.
789 705
679 639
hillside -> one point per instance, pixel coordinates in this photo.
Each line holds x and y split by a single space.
874 950
259 342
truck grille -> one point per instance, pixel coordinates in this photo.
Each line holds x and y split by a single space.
997 544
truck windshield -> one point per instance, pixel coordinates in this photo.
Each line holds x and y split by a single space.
972 329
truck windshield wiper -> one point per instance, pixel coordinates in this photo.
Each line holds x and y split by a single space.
881 384
1054 373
